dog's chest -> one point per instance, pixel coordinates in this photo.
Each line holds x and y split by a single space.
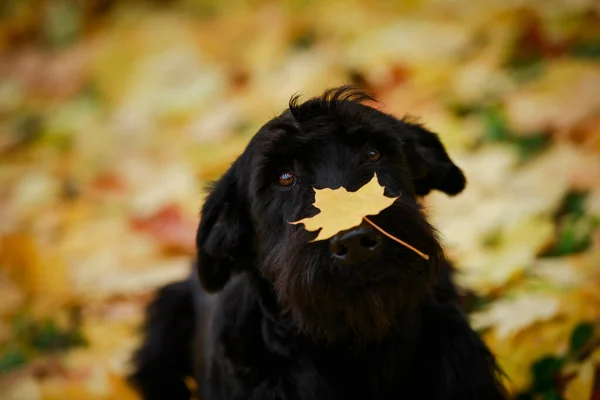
380 373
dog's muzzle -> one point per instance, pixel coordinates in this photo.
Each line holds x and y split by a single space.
356 245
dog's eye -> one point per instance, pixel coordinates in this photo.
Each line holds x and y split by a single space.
286 179
373 155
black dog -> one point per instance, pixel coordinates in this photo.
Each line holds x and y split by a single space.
365 318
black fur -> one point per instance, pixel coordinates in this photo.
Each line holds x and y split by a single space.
164 357
285 320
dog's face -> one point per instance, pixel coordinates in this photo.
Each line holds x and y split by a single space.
359 283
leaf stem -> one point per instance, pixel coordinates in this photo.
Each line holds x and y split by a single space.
425 256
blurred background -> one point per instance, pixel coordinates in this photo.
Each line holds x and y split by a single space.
115 114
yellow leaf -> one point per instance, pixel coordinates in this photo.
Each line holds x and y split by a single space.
19 385
517 352
509 317
341 210
514 249
580 387
531 326
562 98
36 269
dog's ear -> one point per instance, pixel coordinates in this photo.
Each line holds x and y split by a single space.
431 167
223 240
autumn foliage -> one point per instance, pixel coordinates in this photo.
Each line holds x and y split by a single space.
115 115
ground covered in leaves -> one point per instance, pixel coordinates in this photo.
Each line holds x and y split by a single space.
114 115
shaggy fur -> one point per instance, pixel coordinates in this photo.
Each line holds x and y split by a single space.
274 316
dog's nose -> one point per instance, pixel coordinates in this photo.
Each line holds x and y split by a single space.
356 245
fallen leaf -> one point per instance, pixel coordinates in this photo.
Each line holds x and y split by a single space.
12 297
586 175
19 386
593 203
553 299
565 96
450 37
133 282
34 268
109 181
516 353
145 108
169 227
511 316
580 387
341 209
512 251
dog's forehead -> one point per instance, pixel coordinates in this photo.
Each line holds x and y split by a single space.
285 137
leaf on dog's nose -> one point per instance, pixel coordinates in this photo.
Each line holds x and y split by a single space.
341 209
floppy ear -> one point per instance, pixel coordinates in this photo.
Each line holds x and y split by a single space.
224 236
431 167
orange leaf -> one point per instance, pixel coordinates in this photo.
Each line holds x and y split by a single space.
170 228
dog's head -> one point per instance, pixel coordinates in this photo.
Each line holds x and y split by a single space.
359 282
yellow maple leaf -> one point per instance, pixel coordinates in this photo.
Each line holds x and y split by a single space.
341 210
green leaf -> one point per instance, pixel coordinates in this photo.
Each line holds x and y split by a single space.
587 50
574 236
544 371
528 71
76 339
551 394
497 130
495 125
304 40
12 357
462 110
46 336
479 303
531 145
580 336
574 203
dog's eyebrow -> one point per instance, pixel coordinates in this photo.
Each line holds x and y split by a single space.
285 126
278 137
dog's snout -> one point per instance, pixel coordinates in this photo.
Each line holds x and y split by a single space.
356 245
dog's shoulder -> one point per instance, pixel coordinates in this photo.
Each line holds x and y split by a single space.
244 348
237 323
238 306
